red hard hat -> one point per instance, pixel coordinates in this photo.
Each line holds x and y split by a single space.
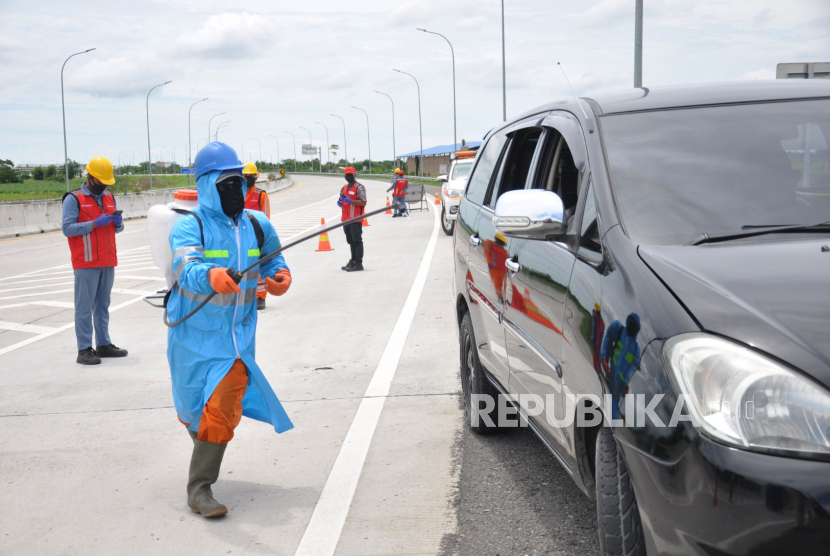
349 170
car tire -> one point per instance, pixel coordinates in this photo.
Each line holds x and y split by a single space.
446 224
473 380
618 516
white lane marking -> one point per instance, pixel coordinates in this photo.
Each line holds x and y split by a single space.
38 287
132 291
148 278
327 199
54 331
59 304
326 524
35 294
30 328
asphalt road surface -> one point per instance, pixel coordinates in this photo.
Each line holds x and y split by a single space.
94 461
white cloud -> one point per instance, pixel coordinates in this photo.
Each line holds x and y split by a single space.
763 73
120 77
229 36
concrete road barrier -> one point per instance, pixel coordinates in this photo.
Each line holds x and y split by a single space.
37 217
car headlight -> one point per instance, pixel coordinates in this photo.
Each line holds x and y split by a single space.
455 193
744 399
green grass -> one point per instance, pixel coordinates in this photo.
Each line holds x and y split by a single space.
39 190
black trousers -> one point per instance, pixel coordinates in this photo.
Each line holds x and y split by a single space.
354 236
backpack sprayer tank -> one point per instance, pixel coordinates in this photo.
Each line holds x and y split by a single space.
160 221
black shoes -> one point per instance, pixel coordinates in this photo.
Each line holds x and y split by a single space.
348 265
354 268
395 215
260 303
109 350
87 357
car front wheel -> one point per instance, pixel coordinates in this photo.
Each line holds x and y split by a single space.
446 224
618 516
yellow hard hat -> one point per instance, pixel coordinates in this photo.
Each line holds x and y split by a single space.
101 169
250 169
398 171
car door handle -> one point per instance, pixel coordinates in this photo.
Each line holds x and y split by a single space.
475 240
512 266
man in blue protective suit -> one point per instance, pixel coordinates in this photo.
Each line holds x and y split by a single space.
215 377
621 357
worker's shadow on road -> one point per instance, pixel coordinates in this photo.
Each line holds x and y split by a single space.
255 510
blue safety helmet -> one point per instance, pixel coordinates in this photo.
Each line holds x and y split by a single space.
216 156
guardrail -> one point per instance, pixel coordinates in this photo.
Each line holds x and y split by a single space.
365 176
41 216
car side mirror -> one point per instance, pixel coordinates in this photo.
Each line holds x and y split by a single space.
530 214
443 178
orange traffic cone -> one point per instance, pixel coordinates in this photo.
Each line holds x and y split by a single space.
324 244
365 221
388 210
437 198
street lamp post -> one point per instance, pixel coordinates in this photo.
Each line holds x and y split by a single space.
368 137
345 143
638 44
278 150
149 160
420 126
454 120
63 111
190 142
310 142
241 150
134 157
216 134
260 149
394 150
328 161
209 123
503 67
295 148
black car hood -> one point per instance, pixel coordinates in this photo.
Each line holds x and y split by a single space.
773 295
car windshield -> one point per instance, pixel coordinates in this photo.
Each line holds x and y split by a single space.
461 170
678 174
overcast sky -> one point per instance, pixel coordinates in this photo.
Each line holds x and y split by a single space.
274 66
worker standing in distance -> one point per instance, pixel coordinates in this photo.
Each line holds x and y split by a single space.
90 222
352 201
256 199
215 378
398 190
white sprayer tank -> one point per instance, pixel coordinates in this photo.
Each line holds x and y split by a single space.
160 221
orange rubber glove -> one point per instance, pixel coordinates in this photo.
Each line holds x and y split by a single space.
221 281
279 284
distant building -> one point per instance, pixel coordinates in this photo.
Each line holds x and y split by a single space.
436 159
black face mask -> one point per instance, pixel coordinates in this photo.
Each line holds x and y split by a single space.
95 188
251 181
231 195
350 178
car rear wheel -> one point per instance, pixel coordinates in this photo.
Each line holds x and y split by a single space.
473 381
618 516
446 224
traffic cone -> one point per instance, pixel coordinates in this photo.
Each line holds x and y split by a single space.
388 210
365 221
437 198
324 244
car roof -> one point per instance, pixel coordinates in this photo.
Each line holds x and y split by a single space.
647 98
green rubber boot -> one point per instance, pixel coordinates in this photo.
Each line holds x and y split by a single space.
204 470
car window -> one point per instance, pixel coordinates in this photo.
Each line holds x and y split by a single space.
461 170
589 238
558 173
479 182
516 167
679 174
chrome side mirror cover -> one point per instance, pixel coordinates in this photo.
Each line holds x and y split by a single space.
530 214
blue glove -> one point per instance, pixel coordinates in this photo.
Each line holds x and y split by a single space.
346 200
339 204
103 220
116 219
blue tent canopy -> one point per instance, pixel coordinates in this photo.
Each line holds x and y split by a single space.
441 149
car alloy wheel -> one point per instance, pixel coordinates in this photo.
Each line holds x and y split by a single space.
473 381
446 224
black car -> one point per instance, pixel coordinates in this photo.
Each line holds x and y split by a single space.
644 276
